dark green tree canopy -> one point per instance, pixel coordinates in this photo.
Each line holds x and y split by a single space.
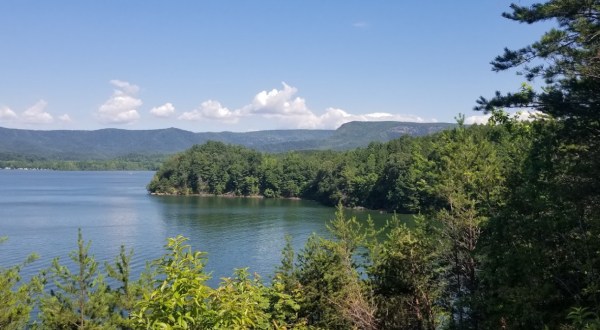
566 57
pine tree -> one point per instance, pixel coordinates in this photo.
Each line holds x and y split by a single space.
80 299
542 247
406 277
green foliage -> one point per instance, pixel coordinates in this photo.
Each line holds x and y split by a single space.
241 303
398 176
212 168
322 279
565 57
582 318
80 299
286 292
179 295
124 297
333 294
285 273
83 299
284 305
541 246
470 182
17 297
407 278
179 298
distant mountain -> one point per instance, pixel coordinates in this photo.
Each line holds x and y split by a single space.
111 143
360 133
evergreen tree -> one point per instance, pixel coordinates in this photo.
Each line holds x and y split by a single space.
124 297
80 299
542 247
333 294
407 277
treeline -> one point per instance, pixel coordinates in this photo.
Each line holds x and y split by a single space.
124 163
399 175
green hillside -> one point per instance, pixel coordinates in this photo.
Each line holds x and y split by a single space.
112 143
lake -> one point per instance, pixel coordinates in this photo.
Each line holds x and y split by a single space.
40 211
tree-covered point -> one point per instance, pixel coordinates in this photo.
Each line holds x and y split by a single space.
398 175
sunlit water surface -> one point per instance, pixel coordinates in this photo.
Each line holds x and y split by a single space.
40 211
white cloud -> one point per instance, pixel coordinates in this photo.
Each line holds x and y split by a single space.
289 110
164 111
334 118
527 115
65 118
277 103
121 107
36 114
212 110
477 119
125 86
6 114
360 25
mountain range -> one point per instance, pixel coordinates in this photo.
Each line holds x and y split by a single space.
111 143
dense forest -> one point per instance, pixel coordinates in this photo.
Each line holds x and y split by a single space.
131 162
506 233
400 175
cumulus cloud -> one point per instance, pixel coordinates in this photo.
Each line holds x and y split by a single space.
278 103
125 86
283 106
212 110
6 114
527 115
333 118
164 111
121 107
477 119
65 118
36 114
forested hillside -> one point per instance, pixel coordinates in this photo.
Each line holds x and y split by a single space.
399 175
112 143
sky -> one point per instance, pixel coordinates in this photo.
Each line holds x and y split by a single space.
247 65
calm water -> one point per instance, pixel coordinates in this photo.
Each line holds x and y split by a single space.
40 212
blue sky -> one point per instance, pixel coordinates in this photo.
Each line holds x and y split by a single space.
248 65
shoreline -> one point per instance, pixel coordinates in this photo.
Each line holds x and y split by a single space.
230 195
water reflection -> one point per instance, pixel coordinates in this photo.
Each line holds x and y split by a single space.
41 211
241 232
